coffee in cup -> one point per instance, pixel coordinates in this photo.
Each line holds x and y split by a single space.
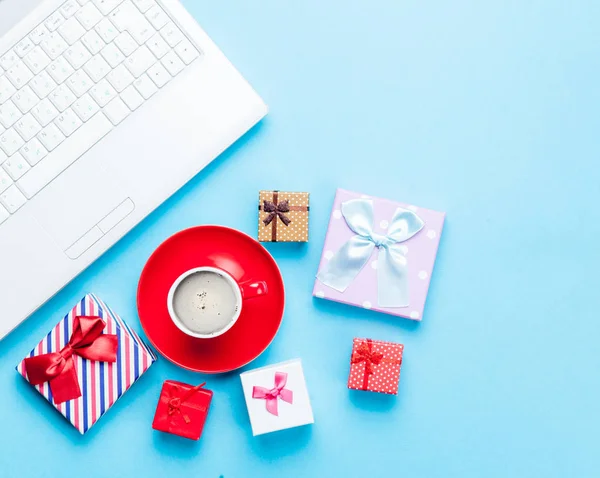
206 302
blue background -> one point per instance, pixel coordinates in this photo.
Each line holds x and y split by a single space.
485 110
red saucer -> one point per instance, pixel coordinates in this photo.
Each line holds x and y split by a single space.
234 252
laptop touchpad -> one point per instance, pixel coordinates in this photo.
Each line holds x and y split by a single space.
78 199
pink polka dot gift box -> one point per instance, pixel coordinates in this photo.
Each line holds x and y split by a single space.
379 254
375 366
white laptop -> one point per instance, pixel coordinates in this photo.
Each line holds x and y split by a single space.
107 107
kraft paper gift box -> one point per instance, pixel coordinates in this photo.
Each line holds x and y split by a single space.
283 216
277 397
87 362
182 409
375 366
379 254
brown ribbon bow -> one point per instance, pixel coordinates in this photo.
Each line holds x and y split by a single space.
275 210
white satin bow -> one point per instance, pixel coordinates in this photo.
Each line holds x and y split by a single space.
392 269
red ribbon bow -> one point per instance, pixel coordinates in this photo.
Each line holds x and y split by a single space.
176 402
364 353
58 368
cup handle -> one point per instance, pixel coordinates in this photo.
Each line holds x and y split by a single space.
252 288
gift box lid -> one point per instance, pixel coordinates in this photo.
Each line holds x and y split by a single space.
292 410
102 384
418 253
187 414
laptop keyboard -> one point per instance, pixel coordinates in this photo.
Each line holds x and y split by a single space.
74 78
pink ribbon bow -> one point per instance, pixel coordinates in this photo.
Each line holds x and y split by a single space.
271 395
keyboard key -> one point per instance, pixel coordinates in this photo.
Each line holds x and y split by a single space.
112 55
159 75
77 55
144 5
12 199
6 89
125 15
107 31
140 61
126 44
83 2
44 112
16 166
93 42
4 214
89 16
10 142
157 17
54 21
97 68
116 111
79 82
51 137
71 31
132 98
56 162
36 60
106 6
33 152
68 122
24 47
54 45
60 70
38 34
62 97
141 30
69 8
172 63
158 45
120 78
5 180
9 59
27 127
85 107
171 34
25 99
103 92
9 114
145 86
42 84
19 75
187 52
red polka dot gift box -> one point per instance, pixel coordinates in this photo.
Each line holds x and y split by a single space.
375 366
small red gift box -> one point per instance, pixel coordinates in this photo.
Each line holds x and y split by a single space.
375 366
182 409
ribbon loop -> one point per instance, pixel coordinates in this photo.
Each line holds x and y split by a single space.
392 270
175 402
271 396
276 210
58 368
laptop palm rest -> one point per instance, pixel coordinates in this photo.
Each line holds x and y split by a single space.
71 207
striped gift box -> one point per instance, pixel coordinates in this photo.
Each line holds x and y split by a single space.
101 383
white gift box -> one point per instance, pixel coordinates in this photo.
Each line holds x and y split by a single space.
276 397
